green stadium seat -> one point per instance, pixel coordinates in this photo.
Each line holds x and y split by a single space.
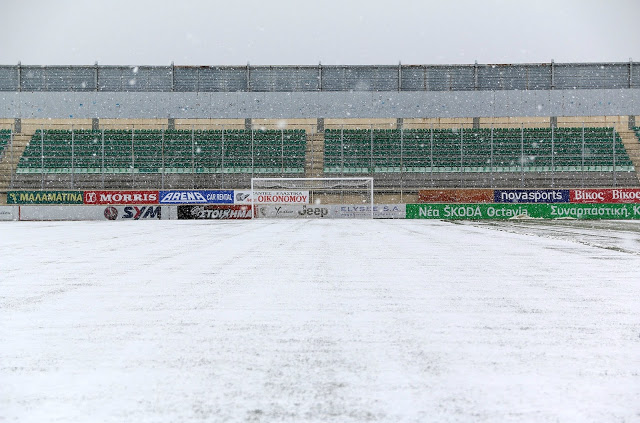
350 151
184 151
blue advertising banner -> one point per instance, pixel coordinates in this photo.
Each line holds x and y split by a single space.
196 197
531 196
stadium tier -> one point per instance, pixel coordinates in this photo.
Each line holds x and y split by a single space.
170 151
474 150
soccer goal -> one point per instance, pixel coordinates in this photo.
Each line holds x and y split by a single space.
312 197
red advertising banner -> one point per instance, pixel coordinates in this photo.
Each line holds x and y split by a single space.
621 195
455 196
121 197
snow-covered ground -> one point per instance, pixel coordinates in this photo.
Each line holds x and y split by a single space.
300 321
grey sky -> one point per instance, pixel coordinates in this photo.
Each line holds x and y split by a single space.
192 32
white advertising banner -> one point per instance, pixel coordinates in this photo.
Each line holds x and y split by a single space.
9 212
334 211
280 197
241 197
293 211
380 211
152 212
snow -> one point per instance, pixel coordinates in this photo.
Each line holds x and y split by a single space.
309 321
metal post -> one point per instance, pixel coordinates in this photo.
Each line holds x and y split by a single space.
72 156
522 154
582 164
491 159
342 148
193 158
162 157
252 153
399 76
133 159
102 169
173 77
401 161
431 153
613 131
11 154
248 75
42 157
461 155
475 76
371 152
281 152
553 165
222 160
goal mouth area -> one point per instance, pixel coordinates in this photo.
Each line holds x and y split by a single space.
312 197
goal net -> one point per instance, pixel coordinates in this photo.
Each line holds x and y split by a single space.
312 197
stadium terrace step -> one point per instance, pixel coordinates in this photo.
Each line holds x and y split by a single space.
631 141
10 156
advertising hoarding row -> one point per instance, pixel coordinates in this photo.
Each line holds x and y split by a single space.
509 211
532 196
451 211
175 197
239 197
332 211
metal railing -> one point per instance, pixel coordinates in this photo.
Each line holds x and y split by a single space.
483 77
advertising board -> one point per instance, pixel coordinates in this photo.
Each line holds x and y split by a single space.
212 212
593 211
196 197
336 211
531 196
455 196
121 197
293 211
9 212
619 195
508 211
148 212
44 197
281 197
380 211
241 197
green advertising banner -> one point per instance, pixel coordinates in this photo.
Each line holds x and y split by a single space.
508 211
44 197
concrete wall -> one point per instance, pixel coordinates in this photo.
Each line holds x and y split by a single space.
337 105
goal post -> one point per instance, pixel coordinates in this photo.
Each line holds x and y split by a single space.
312 197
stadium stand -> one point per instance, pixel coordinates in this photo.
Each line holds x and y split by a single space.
412 158
474 150
170 151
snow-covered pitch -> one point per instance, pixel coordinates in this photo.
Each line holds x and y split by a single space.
314 321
